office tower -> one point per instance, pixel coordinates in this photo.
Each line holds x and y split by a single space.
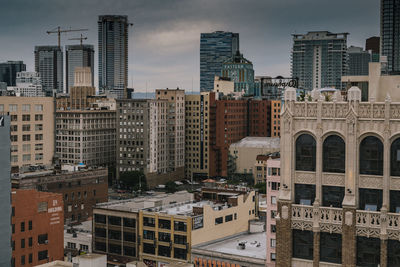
215 49
49 65
319 59
358 61
9 70
32 130
77 56
241 72
113 54
390 34
28 84
38 227
5 205
339 196
372 44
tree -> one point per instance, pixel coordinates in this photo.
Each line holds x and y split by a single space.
171 187
133 180
262 187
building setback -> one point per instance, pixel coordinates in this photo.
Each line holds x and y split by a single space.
77 56
49 64
9 70
37 227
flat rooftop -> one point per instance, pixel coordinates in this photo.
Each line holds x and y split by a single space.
258 142
255 245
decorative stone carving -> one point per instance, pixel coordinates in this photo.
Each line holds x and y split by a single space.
374 182
312 110
354 94
285 212
379 111
304 177
333 179
348 218
300 109
328 110
395 183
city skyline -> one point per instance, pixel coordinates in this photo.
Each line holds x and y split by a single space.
164 41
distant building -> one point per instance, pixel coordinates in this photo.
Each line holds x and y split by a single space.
373 44
49 65
28 84
358 61
390 34
37 227
319 59
215 49
78 56
32 130
241 72
78 239
113 54
9 70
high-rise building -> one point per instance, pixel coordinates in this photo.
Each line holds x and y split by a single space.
319 59
358 61
49 65
241 72
77 56
5 204
373 44
113 54
9 70
339 197
28 84
37 227
215 49
390 34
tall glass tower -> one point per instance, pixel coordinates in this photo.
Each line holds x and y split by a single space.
77 56
390 34
215 49
113 54
319 59
49 65
8 71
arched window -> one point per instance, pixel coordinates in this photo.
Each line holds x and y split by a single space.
371 156
395 158
305 153
334 156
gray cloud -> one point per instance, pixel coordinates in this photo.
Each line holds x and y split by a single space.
164 42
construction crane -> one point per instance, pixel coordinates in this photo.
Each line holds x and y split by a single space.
79 38
58 30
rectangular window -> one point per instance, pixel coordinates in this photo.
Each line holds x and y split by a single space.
42 255
26 137
303 244
23 243
26 107
30 225
38 147
30 242
129 222
14 128
38 137
42 239
228 218
38 107
164 224
26 147
180 239
26 117
99 218
273 200
22 226
30 257
330 247
273 256
149 221
13 108
38 117
14 117
26 157
149 248
273 243
38 127
113 220
23 260
219 220
14 138
368 251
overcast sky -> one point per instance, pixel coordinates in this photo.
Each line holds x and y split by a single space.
164 42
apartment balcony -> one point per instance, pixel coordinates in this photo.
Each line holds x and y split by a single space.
328 219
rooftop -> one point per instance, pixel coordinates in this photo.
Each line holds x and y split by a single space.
258 142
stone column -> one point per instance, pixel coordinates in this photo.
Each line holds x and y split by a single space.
384 253
316 248
284 234
349 238
316 233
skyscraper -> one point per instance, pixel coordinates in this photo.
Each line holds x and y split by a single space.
241 72
113 54
215 49
319 59
390 34
77 56
373 44
358 61
8 71
49 64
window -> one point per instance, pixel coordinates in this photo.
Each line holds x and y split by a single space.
370 199
14 128
23 260
305 153
38 117
38 147
38 107
180 239
368 251
23 243
42 206
273 256
100 246
113 220
98 218
371 156
273 200
149 248
71 245
13 228
395 158
332 196
26 137
26 117
42 239
393 252
149 221
129 251
14 158
128 222
26 107
129 237
303 244
26 147
100 232
113 234
164 251
331 247
219 220
228 218
150 235
180 226
38 137
84 247
22 226
273 243
13 108
42 255
26 127
334 155
38 127
164 224
30 257
273 214
30 241
14 117
26 157
304 194
164 237
39 156
30 225
114 249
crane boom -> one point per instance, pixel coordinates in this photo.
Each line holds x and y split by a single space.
59 31
79 38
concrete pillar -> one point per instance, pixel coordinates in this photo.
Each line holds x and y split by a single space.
384 253
316 248
284 235
349 238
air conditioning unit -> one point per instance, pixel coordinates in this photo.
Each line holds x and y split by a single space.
46 241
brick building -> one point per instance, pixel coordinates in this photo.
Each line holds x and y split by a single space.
37 227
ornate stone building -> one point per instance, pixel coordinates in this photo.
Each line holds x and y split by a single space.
340 181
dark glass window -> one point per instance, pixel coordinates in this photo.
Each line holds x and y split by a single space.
149 248
42 255
394 201
180 226
128 222
23 243
113 220
164 224
100 232
164 237
371 156
30 225
304 194
42 239
148 221
180 239
130 237
331 247
129 251
30 257
180 253
368 251
100 246
150 235
114 249
228 218
303 244
370 199
393 253
23 260
164 251
98 218
332 196
30 242
22 226
112 234
219 220
395 158
334 156
305 153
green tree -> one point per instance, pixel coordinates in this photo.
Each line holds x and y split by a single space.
171 187
262 188
133 180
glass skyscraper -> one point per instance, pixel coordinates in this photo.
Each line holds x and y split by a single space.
390 34
358 61
215 49
49 65
113 54
319 59
241 72
77 56
8 71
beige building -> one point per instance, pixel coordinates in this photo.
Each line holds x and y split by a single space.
340 193
32 130
198 127
244 153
